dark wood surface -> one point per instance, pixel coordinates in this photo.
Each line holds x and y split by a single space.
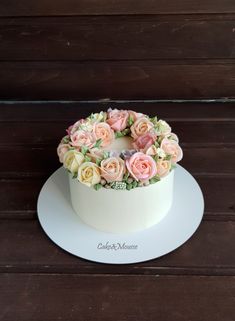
82 50
40 281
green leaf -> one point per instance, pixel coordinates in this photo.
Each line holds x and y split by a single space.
106 154
118 134
97 186
156 144
98 143
87 158
153 119
155 157
129 187
125 177
98 161
168 157
75 175
84 150
125 131
173 166
65 139
134 184
130 120
155 179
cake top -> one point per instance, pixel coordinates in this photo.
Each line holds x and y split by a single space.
119 149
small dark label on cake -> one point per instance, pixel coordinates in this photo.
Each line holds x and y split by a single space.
116 246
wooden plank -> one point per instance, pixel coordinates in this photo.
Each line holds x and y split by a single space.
69 111
116 80
40 133
35 252
91 38
18 197
80 297
104 7
43 161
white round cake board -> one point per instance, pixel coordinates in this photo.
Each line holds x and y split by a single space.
64 227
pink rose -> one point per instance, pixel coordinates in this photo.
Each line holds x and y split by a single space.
145 141
163 167
104 132
74 127
141 166
140 127
61 150
135 115
117 119
112 169
82 138
172 148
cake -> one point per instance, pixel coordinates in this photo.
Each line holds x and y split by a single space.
120 167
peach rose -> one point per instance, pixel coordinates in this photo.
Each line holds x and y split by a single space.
140 127
117 119
104 132
172 148
112 169
151 151
82 138
134 115
141 166
163 167
61 150
145 141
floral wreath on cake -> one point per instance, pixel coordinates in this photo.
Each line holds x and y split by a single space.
155 150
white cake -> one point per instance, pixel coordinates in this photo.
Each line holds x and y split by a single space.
121 170
121 211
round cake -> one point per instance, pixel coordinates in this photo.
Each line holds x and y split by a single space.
120 166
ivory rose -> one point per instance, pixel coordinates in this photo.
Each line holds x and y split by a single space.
172 148
141 166
117 119
145 141
135 115
140 127
112 169
72 160
61 150
83 138
163 167
104 132
89 174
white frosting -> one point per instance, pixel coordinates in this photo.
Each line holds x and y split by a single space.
122 211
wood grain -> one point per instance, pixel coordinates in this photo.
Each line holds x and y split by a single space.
116 7
81 297
136 38
42 133
35 252
116 80
71 111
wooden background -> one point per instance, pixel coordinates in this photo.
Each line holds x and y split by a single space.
117 49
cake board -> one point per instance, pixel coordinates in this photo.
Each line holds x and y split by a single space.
64 227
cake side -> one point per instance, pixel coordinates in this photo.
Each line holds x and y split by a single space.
119 211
